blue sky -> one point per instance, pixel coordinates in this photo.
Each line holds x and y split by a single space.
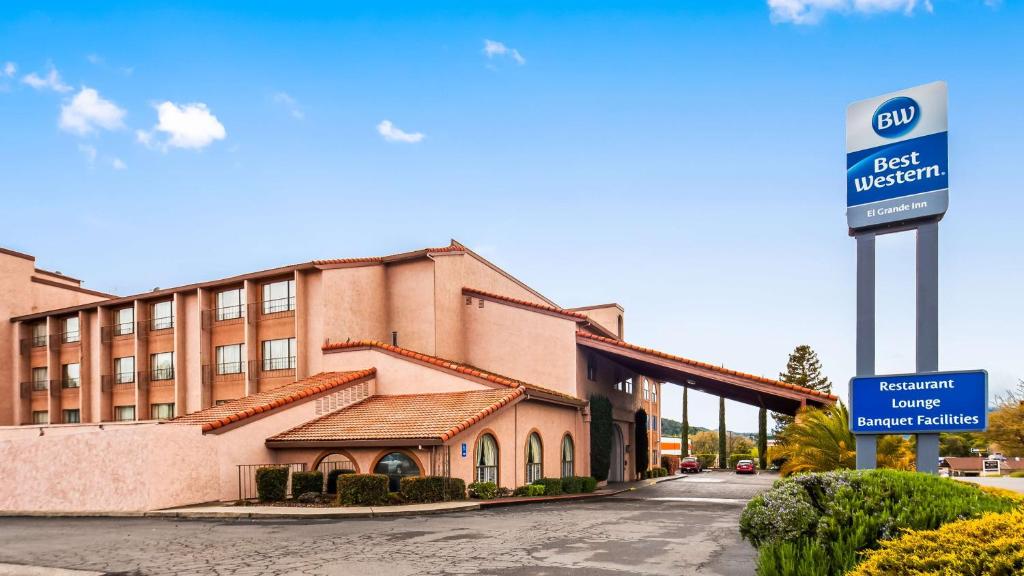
685 159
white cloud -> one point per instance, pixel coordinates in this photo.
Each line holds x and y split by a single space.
88 111
88 151
187 126
118 164
10 69
494 48
392 133
51 81
290 104
94 59
812 11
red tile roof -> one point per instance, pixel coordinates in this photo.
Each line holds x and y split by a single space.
704 365
248 406
410 416
454 247
457 367
577 316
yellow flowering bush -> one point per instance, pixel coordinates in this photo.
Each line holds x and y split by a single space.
992 545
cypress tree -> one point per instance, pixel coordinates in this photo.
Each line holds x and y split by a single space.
684 433
723 457
600 436
641 446
762 438
802 369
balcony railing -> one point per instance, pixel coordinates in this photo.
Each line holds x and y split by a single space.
36 388
122 330
164 323
71 337
278 364
233 314
38 341
279 306
225 372
123 382
70 383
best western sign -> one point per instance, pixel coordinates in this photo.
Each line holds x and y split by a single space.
896 157
919 403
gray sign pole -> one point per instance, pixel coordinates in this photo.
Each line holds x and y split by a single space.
928 329
866 446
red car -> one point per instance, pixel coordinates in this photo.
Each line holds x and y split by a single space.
689 464
745 467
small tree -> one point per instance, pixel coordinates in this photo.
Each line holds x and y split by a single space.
641 445
802 369
705 442
723 452
684 432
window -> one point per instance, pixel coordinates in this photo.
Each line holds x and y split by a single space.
591 369
647 390
620 385
162 366
124 413
162 314
568 450
70 375
39 378
654 392
629 385
72 416
225 401
230 304
124 321
124 371
654 423
40 417
486 459
39 334
396 466
534 459
71 333
279 354
229 359
161 411
279 296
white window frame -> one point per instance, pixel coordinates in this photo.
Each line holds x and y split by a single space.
279 296
270 362
230 363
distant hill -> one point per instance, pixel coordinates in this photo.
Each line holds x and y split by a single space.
670 427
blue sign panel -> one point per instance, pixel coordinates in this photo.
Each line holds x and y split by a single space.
897 157
919 403
464 450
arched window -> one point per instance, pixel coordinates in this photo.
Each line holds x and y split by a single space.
647 389
396 466
486 459
534 459
568 456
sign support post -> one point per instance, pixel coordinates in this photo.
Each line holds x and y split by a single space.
928 329
866 445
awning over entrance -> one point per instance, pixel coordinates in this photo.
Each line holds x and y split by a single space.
741 387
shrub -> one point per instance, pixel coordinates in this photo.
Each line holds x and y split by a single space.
670 463
655 473
483 490
707 460
362 489
502 492
309 498
552 486
332 479
1017 474
640 440
662 471
303 482
734 458
529 490
572 485
272 483
427 489
588 484
395 498
992 545
817 523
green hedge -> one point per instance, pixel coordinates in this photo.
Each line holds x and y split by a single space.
529 490
362 489
655 473
707 460
818 524
483 490
578 484
332 479
272 483
552 486
425 489
303 482
735 458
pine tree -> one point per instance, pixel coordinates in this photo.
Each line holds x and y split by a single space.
802 369
762 438
723 457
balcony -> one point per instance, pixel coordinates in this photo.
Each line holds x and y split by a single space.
157 378
71 383
159 324
225 372
275 367
38 388
33 342
117 331
123 382
234 314
277 308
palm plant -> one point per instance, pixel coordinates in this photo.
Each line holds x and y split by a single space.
818 440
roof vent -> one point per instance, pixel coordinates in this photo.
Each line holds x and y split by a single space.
157 289
58 272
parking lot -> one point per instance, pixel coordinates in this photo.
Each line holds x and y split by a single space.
685 526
